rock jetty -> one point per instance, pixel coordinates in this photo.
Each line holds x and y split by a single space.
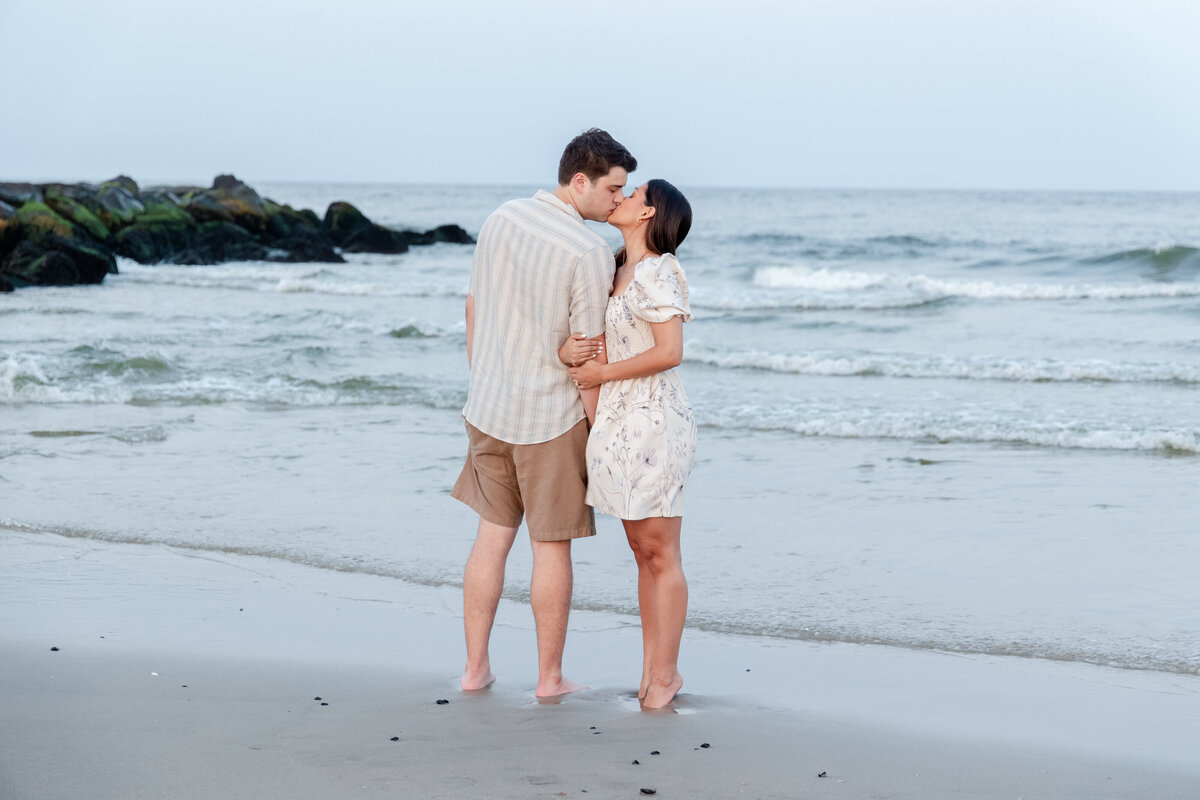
55 234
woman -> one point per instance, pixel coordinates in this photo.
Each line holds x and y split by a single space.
640 448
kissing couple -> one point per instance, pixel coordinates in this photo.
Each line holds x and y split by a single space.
574 405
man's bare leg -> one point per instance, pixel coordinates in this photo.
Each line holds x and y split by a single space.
550 596
483 582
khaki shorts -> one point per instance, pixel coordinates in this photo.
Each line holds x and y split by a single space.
545 482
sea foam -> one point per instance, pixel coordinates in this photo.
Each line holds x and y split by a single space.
928 288
913 365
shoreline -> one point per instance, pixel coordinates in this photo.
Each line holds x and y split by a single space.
187 675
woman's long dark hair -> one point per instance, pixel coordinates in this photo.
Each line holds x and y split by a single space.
672 218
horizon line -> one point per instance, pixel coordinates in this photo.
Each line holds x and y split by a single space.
159 181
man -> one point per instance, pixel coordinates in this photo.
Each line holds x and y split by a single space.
539 274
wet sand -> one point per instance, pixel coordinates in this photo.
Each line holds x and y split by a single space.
186 675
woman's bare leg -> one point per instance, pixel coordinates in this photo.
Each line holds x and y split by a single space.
657 539
645 610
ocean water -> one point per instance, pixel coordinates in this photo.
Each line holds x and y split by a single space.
961 421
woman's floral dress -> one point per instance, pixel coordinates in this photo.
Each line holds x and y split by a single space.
640 449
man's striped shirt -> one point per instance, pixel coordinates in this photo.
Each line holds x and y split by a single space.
540 274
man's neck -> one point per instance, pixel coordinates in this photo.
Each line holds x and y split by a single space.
564 193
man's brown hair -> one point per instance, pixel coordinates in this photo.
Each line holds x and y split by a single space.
594 153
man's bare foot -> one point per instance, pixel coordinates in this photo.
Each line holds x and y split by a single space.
659 695
553 687
474 681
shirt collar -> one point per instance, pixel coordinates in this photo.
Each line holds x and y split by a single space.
552 199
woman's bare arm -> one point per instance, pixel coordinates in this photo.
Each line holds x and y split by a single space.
666 353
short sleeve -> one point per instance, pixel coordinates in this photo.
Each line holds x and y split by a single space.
660 290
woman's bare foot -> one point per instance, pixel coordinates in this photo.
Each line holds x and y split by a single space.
645 685
659 695
474 681
552 687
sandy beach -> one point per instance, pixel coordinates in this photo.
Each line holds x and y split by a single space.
148 672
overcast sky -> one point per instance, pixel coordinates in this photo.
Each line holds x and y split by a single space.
1041 94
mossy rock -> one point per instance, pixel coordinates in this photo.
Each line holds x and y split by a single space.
220 205
156 237
284 222
18 194
29 265
125 182
343 221
38 220
76 212
214 242
376 239
205 207
452 234
306 245
37 228
120 203
10 236
163 206
230 200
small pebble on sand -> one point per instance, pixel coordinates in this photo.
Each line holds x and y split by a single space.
443 702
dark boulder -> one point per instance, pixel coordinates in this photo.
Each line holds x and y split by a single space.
18 194
7 211
283 222
452 234
354 233
39 226
88 263
37 219
376 239
119 202
10 236
295 236
343 220
159 233
152 240
5 285
126 182
305 245
70 208
163 202
215 242
230 200
30 265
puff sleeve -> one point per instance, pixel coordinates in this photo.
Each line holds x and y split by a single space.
660 290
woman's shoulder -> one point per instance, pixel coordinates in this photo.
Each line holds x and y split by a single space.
662 285
653 265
